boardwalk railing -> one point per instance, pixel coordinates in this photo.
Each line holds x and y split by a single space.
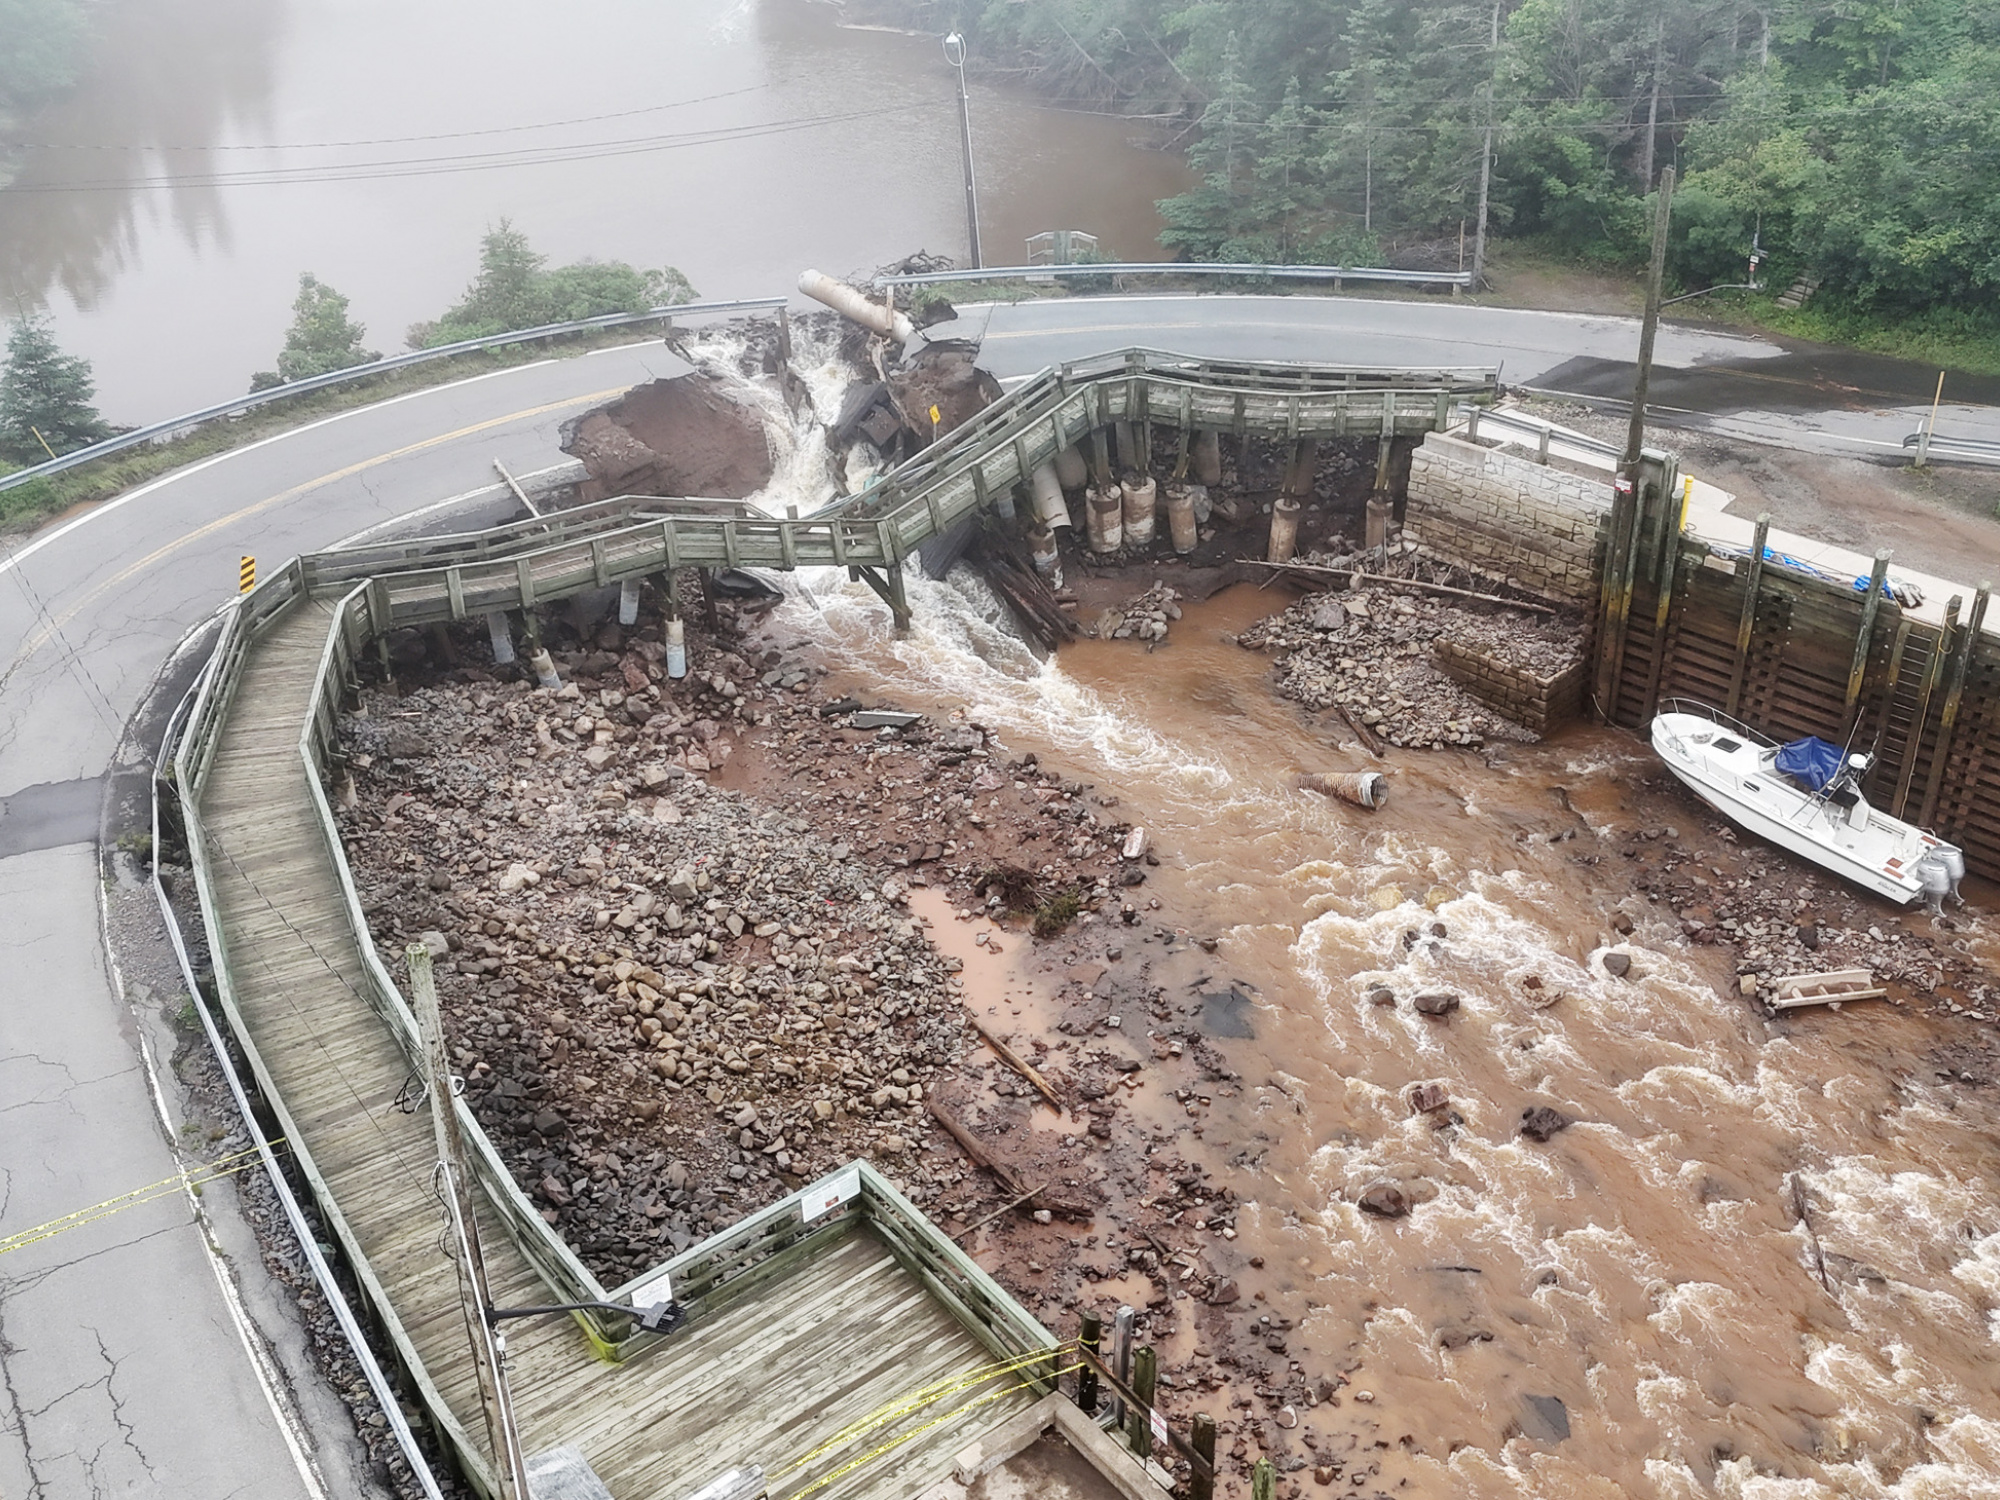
373 589
517 567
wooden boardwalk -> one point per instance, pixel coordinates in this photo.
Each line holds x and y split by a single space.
764 1381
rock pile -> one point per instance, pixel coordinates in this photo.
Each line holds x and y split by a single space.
673 1003
1781 917
1368 651
1144 618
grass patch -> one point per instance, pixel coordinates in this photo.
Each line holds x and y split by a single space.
1057 912
28 506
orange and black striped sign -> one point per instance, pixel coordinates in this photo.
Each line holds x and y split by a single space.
246 575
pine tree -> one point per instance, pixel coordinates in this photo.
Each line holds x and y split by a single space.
322 338
45 397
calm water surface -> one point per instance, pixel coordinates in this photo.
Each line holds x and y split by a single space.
217 148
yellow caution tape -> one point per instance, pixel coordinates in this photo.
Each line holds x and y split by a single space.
923 1396
166 1187
916 1432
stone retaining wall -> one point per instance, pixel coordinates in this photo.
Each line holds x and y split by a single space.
1532 524
1536 703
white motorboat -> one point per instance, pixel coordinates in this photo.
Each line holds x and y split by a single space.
1805 797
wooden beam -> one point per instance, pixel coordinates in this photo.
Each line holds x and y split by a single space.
1746 620
1948 719
1878 576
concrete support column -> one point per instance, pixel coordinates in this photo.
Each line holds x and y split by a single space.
628 603
1106 517
1207 458
1070 468
502 636
1141 501
1284 530
1180 518
1377 537
1047 557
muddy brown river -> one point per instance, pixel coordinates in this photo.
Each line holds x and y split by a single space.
215 149
1649 1266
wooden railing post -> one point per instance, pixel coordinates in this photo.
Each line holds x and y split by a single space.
1090 1337
1139 1421
1202 1486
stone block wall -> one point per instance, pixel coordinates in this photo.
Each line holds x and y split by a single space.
1532 524
1537 703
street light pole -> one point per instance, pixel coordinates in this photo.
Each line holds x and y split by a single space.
954 53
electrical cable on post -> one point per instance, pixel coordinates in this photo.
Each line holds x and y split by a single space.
954 54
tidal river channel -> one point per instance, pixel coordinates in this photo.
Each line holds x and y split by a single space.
216 149
1649 1267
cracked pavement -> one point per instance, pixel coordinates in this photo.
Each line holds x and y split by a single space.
122 1367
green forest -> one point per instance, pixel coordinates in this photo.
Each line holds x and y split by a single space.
1854 141
41 46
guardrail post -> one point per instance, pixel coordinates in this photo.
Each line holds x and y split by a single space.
1542 447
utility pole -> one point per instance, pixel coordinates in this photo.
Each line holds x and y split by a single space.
954 53
489 1350
1486 162
1656 272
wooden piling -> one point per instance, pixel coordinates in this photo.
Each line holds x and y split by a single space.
1746 621
1621 551
1202 1486
1863 638
1091 1336
1948 720
1263 1481
1139 1421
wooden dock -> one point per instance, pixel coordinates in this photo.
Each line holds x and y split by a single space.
801 1324
770 1377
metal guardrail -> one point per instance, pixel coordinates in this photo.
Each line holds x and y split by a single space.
1335 274
1544 433
157 430
1978 448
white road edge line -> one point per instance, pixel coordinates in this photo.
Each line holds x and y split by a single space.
98 512
291 1425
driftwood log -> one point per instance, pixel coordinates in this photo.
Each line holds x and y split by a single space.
1010 1182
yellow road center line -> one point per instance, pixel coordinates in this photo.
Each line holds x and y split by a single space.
48 632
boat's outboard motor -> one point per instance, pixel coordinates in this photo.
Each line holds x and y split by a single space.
1940 871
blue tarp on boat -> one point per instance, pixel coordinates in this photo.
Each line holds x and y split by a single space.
1811 762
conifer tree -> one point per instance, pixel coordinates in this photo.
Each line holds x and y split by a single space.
45 397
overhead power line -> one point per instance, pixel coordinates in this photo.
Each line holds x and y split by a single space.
439 166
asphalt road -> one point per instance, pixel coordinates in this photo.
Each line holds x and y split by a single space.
1732 384
149 1352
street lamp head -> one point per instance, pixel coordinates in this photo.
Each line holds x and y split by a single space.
954 50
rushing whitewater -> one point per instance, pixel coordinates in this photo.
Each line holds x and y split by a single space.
1765 1260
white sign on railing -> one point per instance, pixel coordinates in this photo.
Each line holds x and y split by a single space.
829 1195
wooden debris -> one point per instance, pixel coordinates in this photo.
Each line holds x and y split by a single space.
1002 1173
1006 1055
1387 581
1794 990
